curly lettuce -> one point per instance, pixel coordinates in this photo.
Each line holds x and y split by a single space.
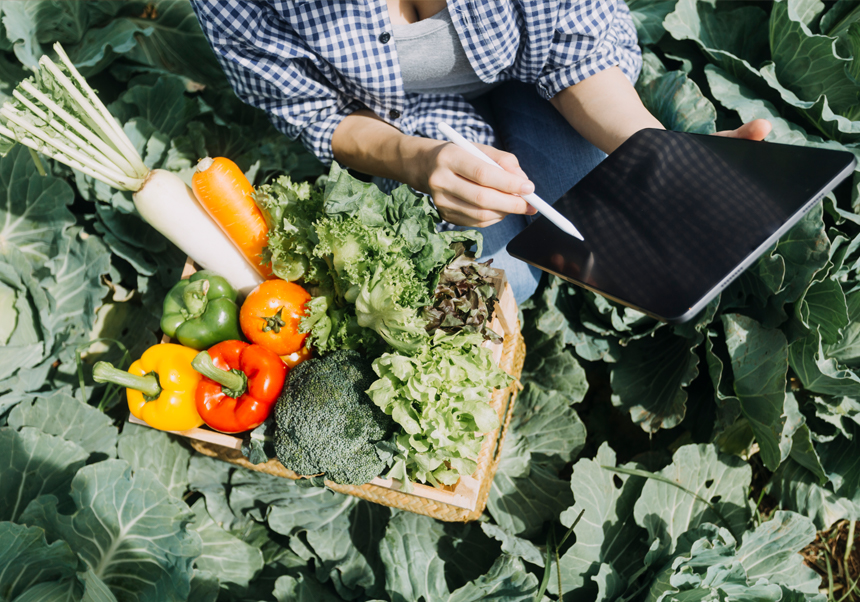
371 260
388 302
440 395
290 210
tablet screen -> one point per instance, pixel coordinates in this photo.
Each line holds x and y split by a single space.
669 218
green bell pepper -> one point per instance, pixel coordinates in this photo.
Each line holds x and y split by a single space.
201 311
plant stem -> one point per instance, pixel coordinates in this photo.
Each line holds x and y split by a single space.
104 372
194 298
81 145
233 383
547 568
92 116
830 595
66 160
852 585
112 154
757 504
124 184
37 162
60 146
558 569
120 139
570 530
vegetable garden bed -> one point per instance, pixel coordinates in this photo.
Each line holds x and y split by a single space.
754 409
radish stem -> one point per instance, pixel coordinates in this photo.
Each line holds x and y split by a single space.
120 138
60 146
37 162
95 119
112 154
81 145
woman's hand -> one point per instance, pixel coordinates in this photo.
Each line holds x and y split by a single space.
470 192
756 129
467 191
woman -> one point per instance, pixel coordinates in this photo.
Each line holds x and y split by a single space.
366 82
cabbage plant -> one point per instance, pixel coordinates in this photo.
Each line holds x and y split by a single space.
643 461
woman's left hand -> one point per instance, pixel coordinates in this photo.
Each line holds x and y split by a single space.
756 129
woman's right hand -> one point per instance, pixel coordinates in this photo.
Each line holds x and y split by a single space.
468 191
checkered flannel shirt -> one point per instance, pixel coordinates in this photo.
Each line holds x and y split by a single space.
310 63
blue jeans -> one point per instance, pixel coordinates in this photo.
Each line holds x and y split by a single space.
550 151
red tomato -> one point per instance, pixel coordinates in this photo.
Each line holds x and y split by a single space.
270 316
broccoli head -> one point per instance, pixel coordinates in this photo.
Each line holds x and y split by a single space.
326 423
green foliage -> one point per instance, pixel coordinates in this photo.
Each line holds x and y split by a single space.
126 528
765 381
373 257
765 566
166 458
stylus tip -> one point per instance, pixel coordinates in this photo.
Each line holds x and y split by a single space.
573 231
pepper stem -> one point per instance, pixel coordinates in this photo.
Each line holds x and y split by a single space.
274 323
234 383
104 372
194 298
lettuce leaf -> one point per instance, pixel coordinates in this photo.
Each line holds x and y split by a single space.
464 297
441 396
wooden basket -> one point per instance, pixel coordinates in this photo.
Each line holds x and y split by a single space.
462 502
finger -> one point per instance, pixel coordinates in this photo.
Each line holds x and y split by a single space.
457 211
757 129
508 161
485 197
480 172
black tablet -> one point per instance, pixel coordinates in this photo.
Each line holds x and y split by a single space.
670 218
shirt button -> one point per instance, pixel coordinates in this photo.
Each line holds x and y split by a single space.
384 37
394 114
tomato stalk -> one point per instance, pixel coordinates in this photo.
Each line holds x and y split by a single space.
274 323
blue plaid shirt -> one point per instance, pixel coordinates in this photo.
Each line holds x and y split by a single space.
310 63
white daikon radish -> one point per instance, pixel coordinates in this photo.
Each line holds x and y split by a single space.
56 113
165 200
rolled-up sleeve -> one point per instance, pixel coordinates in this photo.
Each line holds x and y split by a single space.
270 68
590 37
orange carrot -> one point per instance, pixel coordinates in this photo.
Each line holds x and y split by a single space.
225 193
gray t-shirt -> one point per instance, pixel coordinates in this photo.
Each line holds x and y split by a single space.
432 59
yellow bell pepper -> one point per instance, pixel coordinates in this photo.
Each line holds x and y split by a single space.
160 386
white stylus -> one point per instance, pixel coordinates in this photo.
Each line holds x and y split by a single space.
532 199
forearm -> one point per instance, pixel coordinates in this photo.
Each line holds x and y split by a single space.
605 109
366 143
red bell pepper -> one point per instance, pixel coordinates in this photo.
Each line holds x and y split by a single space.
240 385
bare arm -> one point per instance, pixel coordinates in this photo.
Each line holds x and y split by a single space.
605 109
466 190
